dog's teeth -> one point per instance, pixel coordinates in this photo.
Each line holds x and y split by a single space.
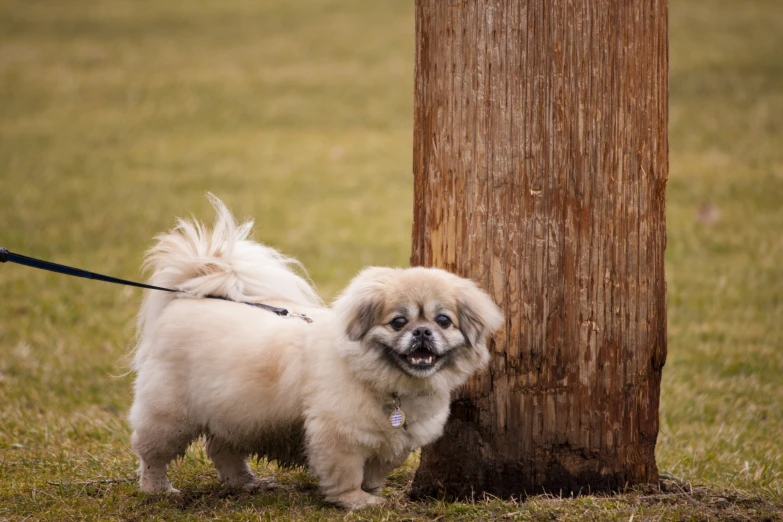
420 360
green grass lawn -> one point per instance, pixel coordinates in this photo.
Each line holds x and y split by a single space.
117 116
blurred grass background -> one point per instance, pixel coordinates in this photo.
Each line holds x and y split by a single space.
117 116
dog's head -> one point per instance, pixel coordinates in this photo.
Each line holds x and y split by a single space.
421 322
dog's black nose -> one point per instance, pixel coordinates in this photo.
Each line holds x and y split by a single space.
422 331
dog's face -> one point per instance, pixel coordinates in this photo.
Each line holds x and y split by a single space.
419 336
417 321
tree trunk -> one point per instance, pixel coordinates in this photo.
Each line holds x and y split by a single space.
540 167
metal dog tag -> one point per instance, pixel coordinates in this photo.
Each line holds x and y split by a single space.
397 418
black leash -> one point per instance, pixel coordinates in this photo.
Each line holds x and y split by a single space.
6 255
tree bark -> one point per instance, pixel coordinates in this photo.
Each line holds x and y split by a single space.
540 167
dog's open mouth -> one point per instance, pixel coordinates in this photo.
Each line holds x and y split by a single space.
421 358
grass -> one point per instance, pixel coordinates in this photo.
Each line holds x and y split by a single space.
117 116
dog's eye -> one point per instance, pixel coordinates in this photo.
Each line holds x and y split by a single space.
443 321
398 322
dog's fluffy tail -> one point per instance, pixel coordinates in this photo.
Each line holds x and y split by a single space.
223 262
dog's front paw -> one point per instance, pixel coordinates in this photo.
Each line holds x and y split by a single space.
358 500
375 491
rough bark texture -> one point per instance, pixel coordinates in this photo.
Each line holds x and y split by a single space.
540 166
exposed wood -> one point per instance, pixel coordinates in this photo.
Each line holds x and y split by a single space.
540 167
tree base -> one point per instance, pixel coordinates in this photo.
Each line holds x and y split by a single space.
453 469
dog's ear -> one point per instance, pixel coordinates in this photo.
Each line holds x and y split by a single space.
361 303
361 318
479 317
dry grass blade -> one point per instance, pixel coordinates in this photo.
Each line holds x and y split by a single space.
93 482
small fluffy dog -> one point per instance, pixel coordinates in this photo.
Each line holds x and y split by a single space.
349 395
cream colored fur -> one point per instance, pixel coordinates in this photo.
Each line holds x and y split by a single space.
320 393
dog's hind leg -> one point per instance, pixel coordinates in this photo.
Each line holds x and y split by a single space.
232 467
156 448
